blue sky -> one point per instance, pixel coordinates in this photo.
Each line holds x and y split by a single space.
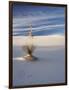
45 20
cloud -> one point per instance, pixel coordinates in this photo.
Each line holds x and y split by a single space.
24 21
39 23
41 27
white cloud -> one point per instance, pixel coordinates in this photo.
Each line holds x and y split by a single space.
24 21
19 22
48 27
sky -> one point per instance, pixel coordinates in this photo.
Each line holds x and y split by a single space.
45 20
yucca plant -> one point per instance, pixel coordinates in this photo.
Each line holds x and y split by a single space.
29 47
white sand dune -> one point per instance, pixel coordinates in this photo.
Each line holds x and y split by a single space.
48 68
19 58
40 40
